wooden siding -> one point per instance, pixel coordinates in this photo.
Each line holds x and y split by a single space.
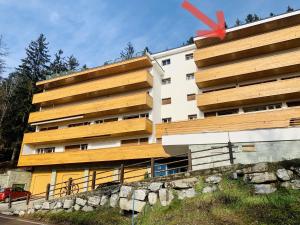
252 94
105 130
115 68
250 46
103 107
98 155
99 87
259 120
261 66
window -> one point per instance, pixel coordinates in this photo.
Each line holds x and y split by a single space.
167 120
79 124
248 148
166 101
293 104
191 97
134 141
262 107
210 114
158 140
45 150
99 121
130 117
189 56
192 117
144 140
110 119
190 76
144 115
166 62
76 147
49 128
166 81
18 187
228 112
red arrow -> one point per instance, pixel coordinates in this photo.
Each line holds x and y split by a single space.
217 29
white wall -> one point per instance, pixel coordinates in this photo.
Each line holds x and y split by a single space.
179 87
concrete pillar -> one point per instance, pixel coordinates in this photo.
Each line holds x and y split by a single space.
52 182
86 179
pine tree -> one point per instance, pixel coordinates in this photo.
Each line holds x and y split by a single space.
190 41
72 63
289 9
59 64
252 18
128 52
146 50
238 22
272 14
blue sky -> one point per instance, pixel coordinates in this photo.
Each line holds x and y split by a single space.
97 30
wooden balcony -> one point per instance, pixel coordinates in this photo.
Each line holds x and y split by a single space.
106 70
261 66
253 94
129 127
96 108
95 88
250 46
97 155
238 122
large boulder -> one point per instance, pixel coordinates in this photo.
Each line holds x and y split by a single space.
37 206
80 201
104 200
295 184
296 170
140 194
68 203
58 205
284 175
21 213
152 198
132 205
209 189
77 207
87 208
94 200
183 183
257 168
188 193
46 206
114 199
165 196
214 179
264 188
154 187
126 192
259 178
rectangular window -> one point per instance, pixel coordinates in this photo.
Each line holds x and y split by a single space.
144 140
110 120
130 142
76 147
189 56
248 148
192 117
167 120
144 115
190 76
99 121
79 124
166 101
293 104
49 128
166 81
210 114
130 117
228 112
191 97
262 107
45 150
166 62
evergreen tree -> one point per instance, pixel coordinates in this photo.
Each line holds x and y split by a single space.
251 18
72 63
289 9
146 49
59 64
190 41
272 14
238 22
128 52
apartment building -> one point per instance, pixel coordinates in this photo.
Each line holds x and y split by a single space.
245 89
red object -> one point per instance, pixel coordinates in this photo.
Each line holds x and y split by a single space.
217 29
17 193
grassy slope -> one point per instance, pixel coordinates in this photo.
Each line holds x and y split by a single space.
234 204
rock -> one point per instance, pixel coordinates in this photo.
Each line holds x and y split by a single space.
77 207
284 174
21 213
16 212
104 200
133 205
257 168
37 206
183 183
46 206
94 200
70 210
154 187
165 197
233 176
215 179
58 205
152 198
80 201
114 200
140 194
264 188
286 184
30 211
7 213
87 208
295 184
188 193
258 178
209 189
68 203
126 192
